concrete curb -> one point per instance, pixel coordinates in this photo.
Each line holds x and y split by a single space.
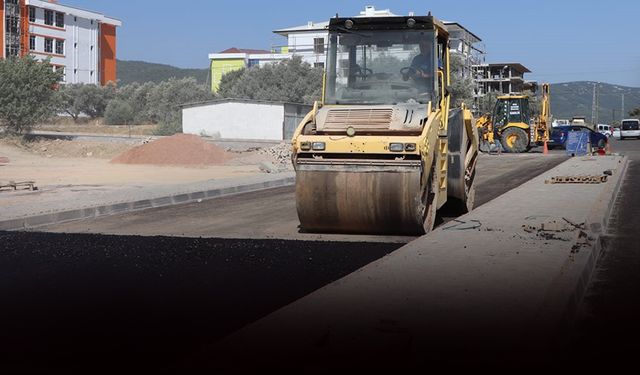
58 217
560 307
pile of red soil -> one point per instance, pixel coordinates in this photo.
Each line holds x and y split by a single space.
179 149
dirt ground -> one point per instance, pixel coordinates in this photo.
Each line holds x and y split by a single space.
63 163
95 127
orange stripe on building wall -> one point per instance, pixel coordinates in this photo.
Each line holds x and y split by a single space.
107 53
2 28
24 28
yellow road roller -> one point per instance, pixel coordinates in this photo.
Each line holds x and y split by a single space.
382 151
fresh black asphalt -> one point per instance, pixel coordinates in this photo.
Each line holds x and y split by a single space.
89 303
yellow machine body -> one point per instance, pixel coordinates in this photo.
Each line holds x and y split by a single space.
511 124
374 155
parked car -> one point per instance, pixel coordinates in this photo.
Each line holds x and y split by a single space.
559 135
605 129
630 128
616 133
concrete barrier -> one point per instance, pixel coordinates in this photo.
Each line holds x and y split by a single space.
62 216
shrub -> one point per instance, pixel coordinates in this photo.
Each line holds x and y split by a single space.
118 112
290 81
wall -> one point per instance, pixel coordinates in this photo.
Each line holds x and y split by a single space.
80 57
2 28
220 67
301 44
107 53
255 121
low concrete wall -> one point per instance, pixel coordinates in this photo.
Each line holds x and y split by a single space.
256 121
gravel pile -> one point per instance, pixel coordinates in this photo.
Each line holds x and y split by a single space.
280 155
271 159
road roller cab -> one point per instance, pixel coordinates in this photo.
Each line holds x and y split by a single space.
372 156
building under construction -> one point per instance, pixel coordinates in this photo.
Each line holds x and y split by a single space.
79 43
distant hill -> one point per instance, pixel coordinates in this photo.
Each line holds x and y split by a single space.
575 99
141 72
567 99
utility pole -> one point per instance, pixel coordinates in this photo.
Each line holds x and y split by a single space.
622 113
594 107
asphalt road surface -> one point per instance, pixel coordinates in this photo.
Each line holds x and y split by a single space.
98 303
606 334
270 214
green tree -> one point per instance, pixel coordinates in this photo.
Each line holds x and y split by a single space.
635 112
228 81
165 98
27 92
68 100
118 112
488 102
290 81
137 96
461 86
92 100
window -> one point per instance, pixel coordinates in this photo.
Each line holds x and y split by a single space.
318 65
32 14
59 47
318 45
48 17
59 19
61 70
48 45
353 57
32 43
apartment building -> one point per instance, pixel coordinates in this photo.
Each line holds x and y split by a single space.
80 43
501 78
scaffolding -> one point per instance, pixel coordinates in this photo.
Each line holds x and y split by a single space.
12 27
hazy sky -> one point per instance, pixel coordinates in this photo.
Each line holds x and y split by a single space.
558 40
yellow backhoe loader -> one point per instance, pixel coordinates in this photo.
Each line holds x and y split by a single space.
382 151
512 125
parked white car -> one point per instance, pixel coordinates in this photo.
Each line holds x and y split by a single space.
604 129
630 128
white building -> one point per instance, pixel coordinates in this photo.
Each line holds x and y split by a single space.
309 41
79 42
245 119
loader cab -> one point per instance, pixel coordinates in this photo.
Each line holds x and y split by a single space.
384 60
510 110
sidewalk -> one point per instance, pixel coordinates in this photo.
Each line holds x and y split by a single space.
55 204
494 286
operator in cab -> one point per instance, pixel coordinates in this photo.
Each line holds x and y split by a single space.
422 66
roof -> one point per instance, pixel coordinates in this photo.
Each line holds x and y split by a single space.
244 50
237 100
453 26
516 66
369 11
75 11
311 26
